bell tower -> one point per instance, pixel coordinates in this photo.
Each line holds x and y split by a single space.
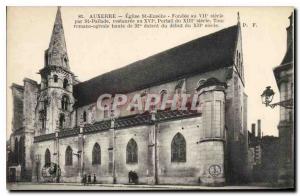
55 102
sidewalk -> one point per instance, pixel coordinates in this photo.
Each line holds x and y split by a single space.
80 186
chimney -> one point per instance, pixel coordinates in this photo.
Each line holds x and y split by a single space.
290 30
253 129
258 128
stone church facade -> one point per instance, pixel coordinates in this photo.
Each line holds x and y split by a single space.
56 122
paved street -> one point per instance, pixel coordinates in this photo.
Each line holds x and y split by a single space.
78 186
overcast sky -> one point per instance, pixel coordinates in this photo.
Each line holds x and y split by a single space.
96 51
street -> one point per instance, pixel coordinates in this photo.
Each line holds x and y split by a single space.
112 187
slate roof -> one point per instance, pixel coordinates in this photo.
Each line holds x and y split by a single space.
286 63
204 54
289 55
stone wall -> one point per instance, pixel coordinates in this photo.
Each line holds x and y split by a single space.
200 155
18 98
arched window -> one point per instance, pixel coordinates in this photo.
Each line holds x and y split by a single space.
132 152
61 120
200 83
16 151
47 158
55 78
96 155
66 83
179 86
22 151
178 149
163 93
64 102
69 156
84 116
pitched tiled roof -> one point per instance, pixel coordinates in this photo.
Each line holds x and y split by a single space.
286 63
289 55
204 54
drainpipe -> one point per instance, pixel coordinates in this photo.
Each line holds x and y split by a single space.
112 127
153 118
82 151
57 152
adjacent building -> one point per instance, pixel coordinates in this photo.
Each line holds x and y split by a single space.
284 75
263 155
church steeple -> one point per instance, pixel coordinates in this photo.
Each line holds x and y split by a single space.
56 54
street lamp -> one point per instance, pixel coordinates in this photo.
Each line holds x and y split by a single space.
267 98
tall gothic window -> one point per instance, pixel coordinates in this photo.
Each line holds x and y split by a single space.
163 93
61 120
16 151
96 155
69 156
179 86
43 114
178 148
66 83
64 102
22 151
47 158
84 116
132 152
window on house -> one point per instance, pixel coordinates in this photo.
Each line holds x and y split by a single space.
64 102
16 151
66 83
22 150
132 152
55 78
43 117
163 93
200 83
47 158
178 148
96 155
84 116
69 156
178 87
61 120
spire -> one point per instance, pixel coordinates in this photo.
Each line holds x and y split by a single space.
56 54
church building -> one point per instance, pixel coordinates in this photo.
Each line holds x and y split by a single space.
60 135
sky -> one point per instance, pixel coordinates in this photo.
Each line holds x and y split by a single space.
95 51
